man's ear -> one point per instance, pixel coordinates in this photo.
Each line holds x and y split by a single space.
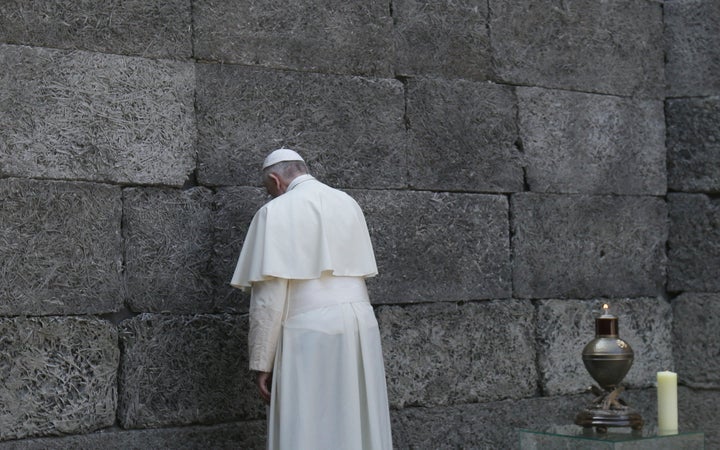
274 185
275 180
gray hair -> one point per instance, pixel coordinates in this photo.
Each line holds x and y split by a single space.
286 169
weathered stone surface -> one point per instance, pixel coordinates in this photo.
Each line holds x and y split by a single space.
437 246
480 426
168 250
445 353
449 39
350 130
692 47
58 375
585 246
309 35
694 243
696 340
643 401
496 424
463 136
698 411
155 28
612 47
234 210
93 116
60 248
564 327
693 144
185 369
230 436
592 144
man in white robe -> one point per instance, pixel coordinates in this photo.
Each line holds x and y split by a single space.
314 340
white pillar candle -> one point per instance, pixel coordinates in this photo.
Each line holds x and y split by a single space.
667 402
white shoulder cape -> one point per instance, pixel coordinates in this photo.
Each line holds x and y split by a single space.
308 230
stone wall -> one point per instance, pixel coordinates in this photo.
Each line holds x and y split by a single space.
519 163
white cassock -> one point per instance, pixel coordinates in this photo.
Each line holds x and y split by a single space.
306 255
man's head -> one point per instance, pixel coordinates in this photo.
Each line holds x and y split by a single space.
280 168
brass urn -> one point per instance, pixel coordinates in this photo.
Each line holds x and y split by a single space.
608 359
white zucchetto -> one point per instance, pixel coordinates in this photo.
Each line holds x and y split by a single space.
280 155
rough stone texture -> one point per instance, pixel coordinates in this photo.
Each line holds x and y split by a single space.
231 436
447 38
495 425
309 35
350 130
585 246
93 116
696 340
644 401
564 327
592 144
58 375
155 28
234 209
480 426
437 246
185 369
463 136
692 47
693 144
613 46
694 243
698 411
168 250
131 121
445 354
60 248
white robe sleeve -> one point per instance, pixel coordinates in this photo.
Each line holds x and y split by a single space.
267 302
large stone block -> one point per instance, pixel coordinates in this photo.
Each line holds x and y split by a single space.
450 39
644 401
60 248
612 47
94 116
480 426
229 436
496 424
168 250
463 136
234 210
696 321
698 410
694 243
693 144
155 28
584 246
447 353
178 370
308 35
564 327
350 130
437 246
58 376
692 47
592 144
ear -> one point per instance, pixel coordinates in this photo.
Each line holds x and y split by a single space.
274 185
275 180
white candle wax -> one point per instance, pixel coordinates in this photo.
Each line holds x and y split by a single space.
667 402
